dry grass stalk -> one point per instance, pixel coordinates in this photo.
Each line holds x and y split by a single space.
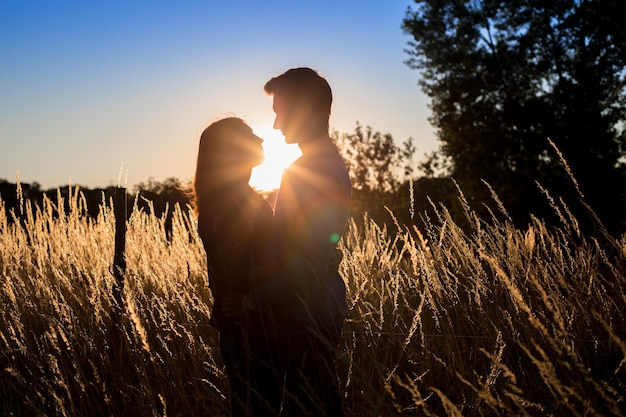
498 322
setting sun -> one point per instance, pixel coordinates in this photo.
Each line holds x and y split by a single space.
278 156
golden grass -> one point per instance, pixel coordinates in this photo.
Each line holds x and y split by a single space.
501 321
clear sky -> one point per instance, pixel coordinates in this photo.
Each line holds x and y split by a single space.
101 92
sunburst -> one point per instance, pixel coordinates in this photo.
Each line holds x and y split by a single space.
278 156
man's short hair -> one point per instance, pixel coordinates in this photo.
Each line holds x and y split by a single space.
304 89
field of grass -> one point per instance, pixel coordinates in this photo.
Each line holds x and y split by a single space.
496 322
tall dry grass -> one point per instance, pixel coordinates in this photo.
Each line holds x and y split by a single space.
499 321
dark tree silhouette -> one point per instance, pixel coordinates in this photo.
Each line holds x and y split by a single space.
504 77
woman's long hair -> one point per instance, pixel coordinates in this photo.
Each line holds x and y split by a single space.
225 159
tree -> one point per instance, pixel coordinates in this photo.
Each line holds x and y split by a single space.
507 77
376 165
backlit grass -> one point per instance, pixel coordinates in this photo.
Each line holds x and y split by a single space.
500 321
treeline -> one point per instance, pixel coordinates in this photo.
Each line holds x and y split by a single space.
413 202
399 204
154 197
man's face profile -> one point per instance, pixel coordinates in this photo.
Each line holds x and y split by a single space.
284 120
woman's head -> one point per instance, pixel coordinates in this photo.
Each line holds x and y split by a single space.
230 144
227 152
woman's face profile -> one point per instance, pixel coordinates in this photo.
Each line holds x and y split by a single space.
243 150
251 149
230 146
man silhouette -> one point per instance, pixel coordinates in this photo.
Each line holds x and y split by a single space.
304 296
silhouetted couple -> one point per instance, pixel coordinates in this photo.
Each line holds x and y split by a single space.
279 301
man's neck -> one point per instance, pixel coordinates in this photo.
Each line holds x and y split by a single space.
310 143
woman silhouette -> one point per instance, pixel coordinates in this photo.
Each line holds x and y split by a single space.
233 223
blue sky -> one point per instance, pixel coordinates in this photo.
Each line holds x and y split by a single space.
94 91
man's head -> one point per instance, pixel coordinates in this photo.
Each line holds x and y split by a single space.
302 101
